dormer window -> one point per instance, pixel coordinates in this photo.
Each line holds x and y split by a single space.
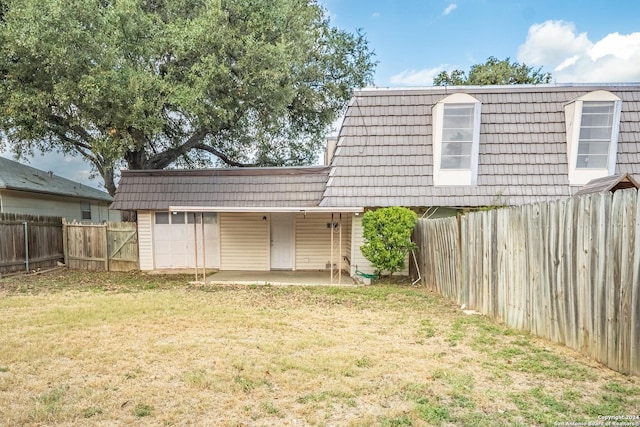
592 136
456 135
595 135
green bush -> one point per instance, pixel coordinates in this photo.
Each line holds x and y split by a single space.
387 237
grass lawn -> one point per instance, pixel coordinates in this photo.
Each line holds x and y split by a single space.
104 349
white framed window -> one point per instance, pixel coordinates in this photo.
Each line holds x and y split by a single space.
85 211
456 138
593 121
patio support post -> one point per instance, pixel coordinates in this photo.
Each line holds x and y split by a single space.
340 250
331 260
204 249
195 241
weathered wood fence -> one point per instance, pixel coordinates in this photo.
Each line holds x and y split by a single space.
29 243
111 246
566 270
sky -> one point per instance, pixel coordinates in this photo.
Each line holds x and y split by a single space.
577 41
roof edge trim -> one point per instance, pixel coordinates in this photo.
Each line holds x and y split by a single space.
264 209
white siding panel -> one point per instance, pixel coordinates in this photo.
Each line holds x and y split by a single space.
358 261
244 241
313 240
145 240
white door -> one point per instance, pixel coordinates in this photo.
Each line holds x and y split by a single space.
281 241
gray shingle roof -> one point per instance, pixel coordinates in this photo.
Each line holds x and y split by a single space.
19 177
384 155
228 187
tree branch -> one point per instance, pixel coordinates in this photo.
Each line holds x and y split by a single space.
165 158
222 156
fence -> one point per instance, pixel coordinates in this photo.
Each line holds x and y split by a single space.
566 270
109 246
29 243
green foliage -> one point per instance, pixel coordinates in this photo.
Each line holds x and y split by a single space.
152 84
387 237
494 72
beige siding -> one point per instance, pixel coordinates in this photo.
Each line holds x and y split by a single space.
66 207
145 240
244 241
313 240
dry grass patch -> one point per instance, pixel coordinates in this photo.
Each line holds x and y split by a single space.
115 349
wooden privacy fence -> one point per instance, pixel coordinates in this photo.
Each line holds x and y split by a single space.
567 270
111 246
29 243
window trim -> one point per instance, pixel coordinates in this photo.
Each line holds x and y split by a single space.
573 118
451 177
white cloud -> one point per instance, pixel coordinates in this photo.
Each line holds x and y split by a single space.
422 77
375 14
450 9
572 58
551 43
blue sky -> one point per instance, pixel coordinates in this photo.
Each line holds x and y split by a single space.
577 41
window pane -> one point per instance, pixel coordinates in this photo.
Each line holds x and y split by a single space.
592 161
594 147
595 135
177 217
456 155
456 148
597 120
210 217
162 217
457 135
458 117
456 162
597 107
194 217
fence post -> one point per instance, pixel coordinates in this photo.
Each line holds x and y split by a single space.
65 249
26 245
106 248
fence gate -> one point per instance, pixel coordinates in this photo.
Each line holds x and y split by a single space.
122 246
110 246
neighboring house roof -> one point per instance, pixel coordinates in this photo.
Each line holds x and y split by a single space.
19 177
221 188
384 155
609 183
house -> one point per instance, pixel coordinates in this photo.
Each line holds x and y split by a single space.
436 150
236 219
27 190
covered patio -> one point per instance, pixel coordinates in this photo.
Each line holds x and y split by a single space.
281 278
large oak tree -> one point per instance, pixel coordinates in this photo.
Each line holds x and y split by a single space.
494 72
149 84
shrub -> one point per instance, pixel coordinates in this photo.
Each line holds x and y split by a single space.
387 237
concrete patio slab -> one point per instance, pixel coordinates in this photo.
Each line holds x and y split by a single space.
304 278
